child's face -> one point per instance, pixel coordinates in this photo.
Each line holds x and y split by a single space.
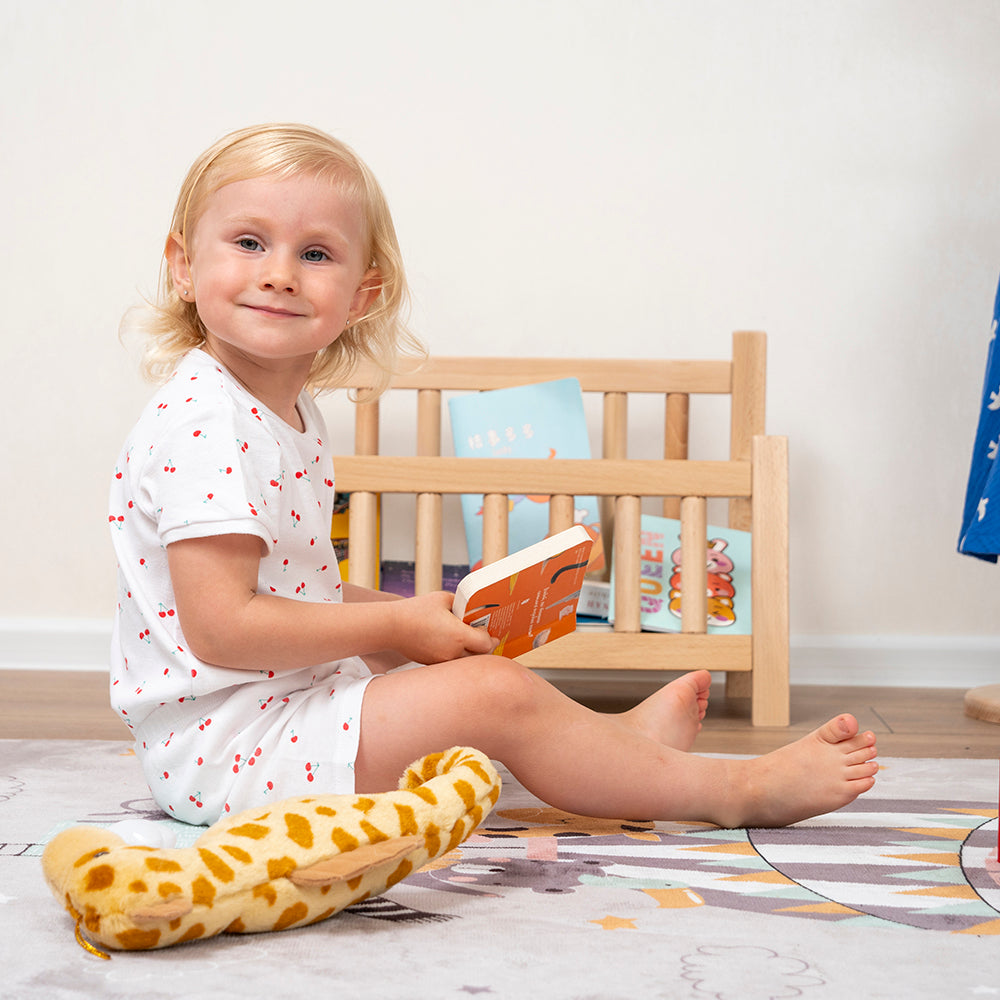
277 268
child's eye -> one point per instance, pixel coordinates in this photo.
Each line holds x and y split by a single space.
314 256
248 243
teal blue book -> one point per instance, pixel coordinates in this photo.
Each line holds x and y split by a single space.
545 420
727 558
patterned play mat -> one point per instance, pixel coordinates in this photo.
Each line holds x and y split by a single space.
897 895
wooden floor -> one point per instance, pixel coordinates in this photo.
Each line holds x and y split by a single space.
928 722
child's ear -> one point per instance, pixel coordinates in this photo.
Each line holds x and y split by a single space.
177 260
368 291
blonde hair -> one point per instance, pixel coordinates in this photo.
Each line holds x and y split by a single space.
282 151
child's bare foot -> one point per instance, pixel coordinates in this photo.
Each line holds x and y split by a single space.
672 716
819 773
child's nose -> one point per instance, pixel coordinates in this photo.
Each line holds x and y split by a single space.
278 273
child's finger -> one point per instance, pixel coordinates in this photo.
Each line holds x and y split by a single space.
482 642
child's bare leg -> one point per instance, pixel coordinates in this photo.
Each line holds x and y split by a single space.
594 764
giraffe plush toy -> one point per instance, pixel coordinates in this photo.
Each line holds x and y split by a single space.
296 862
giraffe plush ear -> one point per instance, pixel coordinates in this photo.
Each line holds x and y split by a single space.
354 864
171 909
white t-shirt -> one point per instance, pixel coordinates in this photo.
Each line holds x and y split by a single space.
206 458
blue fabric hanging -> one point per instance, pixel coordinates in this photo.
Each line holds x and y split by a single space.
980 535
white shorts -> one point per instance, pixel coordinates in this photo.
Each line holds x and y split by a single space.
254 744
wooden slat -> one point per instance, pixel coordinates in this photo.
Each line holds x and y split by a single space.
366 428
600 477
614 444
595 374
590 650
428 570
628 511
747 413
769 582
694 569
675 440
496 507
363 538
363 522
562 508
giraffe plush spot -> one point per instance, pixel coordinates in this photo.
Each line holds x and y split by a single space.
266 892
137 940
216 865
202 891
252 830
101 877
280 867
294 914
316 857
344 840
158 864
237 853
299 830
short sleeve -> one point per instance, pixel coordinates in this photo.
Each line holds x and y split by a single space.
213 470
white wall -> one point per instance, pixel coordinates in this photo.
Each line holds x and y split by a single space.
598 178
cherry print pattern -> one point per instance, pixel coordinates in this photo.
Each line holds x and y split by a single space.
206 458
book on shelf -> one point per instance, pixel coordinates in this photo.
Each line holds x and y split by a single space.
399 577
727 556
528 598
543 420
340 530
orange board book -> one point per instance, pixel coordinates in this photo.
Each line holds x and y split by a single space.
528 598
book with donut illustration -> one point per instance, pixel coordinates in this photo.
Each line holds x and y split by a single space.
528 598
727 558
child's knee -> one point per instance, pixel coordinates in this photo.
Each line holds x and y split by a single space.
503 682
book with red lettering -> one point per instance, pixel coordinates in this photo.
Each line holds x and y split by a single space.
528 598
727 558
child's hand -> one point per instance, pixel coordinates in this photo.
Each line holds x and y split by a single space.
427 632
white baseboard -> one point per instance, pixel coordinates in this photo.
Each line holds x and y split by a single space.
865 660
54 643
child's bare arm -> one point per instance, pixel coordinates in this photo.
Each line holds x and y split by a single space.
227 623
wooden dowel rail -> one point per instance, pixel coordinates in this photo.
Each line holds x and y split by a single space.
597 476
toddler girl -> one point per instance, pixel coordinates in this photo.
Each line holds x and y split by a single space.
246 669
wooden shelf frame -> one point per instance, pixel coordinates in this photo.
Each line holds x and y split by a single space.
754 480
